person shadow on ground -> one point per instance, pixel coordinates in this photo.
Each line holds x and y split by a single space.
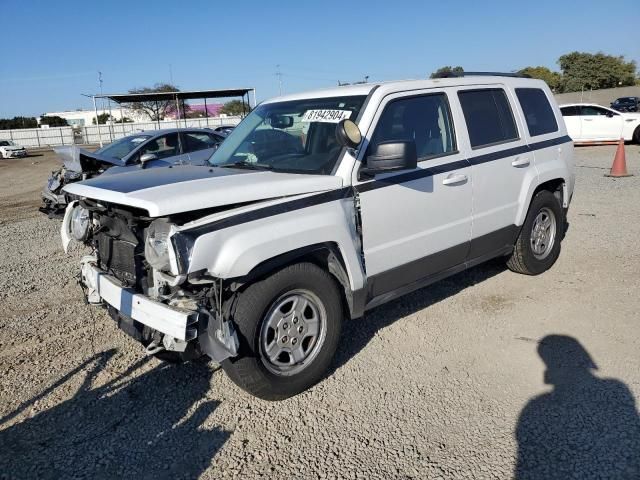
585 427
136 425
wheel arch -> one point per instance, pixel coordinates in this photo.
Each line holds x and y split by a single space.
326 255
556 185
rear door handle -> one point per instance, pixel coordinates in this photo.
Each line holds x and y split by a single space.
455 179
521 162
588 119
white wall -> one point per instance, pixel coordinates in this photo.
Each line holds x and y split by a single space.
39 137
92 134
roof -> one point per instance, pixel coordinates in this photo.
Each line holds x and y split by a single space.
188 95
404 85
584 104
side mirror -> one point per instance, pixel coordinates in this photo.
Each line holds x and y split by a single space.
609 114
348 134
390 156
148 157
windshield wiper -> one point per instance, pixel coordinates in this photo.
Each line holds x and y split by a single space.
245 164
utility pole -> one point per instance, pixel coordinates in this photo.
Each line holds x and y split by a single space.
279 75
100 82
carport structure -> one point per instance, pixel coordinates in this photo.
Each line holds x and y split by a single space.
177 97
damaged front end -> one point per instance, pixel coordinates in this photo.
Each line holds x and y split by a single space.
132 273
77 165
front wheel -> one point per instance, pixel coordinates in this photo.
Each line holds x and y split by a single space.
288 326
538 245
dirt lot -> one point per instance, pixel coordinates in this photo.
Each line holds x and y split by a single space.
447 382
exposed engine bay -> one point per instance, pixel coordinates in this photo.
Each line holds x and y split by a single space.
121 239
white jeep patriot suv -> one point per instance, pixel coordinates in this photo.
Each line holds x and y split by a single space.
323 205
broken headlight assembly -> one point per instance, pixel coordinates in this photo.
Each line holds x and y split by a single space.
156 245
80 223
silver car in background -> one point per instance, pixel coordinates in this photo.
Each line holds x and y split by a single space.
147 149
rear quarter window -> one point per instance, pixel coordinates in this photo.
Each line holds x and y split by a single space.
537 111
488 117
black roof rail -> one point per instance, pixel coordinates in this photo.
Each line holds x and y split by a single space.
481 74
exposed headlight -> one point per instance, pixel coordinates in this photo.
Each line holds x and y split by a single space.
80 223
156 246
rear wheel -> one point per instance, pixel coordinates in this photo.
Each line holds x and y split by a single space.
538 245
288 326
636 135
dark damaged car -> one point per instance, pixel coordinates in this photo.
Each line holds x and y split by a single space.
158 148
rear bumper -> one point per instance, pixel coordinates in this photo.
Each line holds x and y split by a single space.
101 287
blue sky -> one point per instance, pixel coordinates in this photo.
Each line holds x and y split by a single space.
51 51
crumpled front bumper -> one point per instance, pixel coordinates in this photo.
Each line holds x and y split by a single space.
16 153
178 323
54 200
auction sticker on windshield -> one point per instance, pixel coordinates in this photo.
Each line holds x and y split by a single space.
327 116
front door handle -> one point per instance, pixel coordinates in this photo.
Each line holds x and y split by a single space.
588 119
455 179
521 162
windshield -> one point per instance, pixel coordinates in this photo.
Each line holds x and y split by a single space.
123 147
7 143
297 136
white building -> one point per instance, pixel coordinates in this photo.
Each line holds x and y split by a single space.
82 118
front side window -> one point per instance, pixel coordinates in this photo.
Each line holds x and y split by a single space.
297 136
163 147
488 117
194 141
424 119
537 111
571 111
123 147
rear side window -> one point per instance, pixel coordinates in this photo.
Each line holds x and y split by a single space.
537 111
195 141
488 116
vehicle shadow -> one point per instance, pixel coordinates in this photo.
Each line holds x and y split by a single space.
137 425
585 427
358 333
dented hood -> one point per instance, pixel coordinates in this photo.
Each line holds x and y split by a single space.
71 157
167 191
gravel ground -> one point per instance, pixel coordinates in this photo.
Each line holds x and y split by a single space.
488 374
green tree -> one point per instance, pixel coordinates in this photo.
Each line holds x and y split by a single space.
155 110
102 119
235 107
553 79
53 121
447 72
18 122
581 70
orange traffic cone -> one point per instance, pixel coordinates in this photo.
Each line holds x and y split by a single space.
619 167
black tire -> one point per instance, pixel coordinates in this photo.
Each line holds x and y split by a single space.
523 259
636 135
248 369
